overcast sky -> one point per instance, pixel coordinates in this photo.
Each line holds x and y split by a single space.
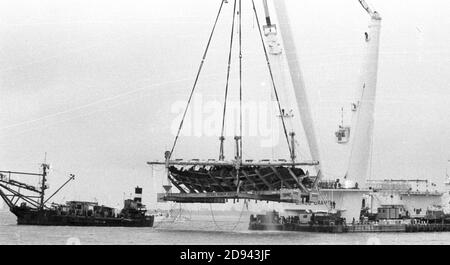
94 83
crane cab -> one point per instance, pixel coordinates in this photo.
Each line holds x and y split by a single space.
343 135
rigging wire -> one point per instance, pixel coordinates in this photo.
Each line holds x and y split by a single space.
228 77
235 224
240 96
79 108
271 77
240 76
51 123
371 158
170 218
357 121
173 217
196 78
94 103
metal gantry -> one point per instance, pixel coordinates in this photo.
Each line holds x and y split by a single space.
202 181
14 192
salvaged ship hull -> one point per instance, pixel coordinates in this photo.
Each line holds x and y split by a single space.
224 178
26 216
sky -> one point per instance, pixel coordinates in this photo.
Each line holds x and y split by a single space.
96 87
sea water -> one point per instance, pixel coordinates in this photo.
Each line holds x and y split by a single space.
199 229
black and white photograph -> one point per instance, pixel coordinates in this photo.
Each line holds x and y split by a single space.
250 123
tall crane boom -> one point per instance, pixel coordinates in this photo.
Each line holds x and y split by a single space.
366 7
298 84
360 155
372 13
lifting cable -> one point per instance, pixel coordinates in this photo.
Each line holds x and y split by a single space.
240 99
196 78
357 121
228 72
172 217
228 75
271 77
240 76
234 225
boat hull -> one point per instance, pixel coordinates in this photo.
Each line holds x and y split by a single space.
52 218
299 228
357 228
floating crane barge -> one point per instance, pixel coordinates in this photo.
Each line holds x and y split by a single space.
341 206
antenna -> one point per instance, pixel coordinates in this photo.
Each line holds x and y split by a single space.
44 186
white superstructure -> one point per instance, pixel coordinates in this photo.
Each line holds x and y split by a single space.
416 196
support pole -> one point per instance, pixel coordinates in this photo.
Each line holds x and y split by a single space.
168 186
221 155
238 161
62 186
238 152
292 134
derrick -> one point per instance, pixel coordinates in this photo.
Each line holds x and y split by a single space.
216 181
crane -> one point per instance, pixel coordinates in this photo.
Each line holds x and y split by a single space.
296 78
373 14
343 133
271 33
361 149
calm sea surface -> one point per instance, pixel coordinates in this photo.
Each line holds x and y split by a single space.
200 229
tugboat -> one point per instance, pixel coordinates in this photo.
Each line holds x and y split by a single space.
29 204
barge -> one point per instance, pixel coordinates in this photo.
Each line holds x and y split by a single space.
333 223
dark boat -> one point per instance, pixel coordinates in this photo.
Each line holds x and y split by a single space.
333 223
29 204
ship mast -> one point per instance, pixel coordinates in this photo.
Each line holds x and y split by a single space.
13 192
44 186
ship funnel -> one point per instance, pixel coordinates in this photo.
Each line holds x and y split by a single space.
138 195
